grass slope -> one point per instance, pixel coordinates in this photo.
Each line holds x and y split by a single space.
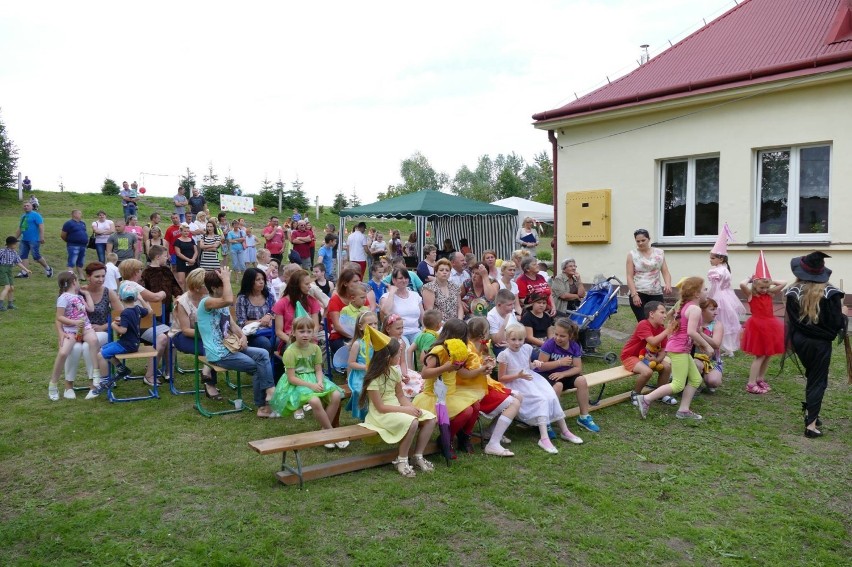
151 483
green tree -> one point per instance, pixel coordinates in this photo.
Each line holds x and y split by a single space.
268 196
417 174
188 181
295 198
354 200
538 178
110 187
478 184
340 203
211 189
8 159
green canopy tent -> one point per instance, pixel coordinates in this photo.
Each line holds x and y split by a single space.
486 226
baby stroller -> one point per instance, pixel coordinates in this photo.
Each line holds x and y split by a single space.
600 303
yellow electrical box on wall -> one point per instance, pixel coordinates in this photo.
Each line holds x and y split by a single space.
588 216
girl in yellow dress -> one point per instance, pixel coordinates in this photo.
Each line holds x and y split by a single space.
390 413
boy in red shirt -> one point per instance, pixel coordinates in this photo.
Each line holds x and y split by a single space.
649 332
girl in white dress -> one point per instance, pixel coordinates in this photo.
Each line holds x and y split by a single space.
540 404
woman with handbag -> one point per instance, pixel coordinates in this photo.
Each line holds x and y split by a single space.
225 343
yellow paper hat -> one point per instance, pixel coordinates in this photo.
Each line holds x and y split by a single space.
680 282
375 339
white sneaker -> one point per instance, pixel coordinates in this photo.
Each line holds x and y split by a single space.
342 444
92 395
307 408
299 414
53 393
329 445
70 394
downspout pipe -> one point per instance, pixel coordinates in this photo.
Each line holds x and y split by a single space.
551 135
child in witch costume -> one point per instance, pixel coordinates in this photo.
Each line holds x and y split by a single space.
390 412
730 308
763 335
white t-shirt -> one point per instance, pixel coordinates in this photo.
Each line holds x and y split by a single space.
378 246
409 310
195 226
112 276
356 242
513 289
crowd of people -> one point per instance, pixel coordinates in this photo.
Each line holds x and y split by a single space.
497 334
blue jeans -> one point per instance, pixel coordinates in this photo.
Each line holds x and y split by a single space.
26 246
129 210
254 361
186 345
238 263
76 255
100 247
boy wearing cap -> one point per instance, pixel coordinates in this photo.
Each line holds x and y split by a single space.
129 327
9 257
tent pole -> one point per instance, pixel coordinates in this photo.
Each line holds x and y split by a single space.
551 135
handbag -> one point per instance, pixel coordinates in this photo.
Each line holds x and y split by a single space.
91 244
232 343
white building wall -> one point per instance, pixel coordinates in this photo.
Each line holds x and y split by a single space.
623 153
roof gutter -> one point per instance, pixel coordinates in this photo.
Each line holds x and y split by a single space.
810 63
551 135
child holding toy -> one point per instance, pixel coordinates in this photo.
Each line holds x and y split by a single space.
638 355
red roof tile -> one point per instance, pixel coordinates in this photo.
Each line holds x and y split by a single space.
757 41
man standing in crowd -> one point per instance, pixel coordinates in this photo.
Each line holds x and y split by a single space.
180 203
76 238
301 239
31 235
128 200
273 234
458 274
172 233
359 250
154 221
197 203
121 242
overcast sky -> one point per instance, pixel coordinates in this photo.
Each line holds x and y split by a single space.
336 93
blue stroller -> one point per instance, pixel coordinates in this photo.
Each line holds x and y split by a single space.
600 303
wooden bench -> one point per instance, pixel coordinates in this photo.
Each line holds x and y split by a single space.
294 443
602 378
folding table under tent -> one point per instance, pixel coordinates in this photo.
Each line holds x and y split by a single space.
486 226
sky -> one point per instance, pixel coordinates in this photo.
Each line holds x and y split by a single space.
333 93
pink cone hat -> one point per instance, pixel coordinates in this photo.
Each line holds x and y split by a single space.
761 271
721 246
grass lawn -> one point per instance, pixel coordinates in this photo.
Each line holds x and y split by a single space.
151 483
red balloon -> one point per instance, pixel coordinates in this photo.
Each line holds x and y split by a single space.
428 234
142 190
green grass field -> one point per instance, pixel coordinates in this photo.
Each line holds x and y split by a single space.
153 483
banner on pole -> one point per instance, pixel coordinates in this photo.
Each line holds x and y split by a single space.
234 204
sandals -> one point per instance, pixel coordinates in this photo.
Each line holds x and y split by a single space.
217 396
755 389
403 468
421 463
267 412
764 386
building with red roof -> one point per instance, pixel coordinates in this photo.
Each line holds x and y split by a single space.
747 121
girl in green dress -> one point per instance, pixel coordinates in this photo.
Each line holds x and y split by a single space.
304 382
390 413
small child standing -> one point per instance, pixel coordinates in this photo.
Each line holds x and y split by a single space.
251 248
412 381
357 304
326 255
390 413
326 286
562 365
74 326
360 353
236 239
113 276
651 331
426 338
129 329
9 257
540 404
763 336
711 367
730 307
304 382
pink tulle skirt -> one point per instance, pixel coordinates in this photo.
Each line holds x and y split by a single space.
729 312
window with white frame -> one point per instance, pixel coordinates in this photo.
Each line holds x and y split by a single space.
793 193
689 189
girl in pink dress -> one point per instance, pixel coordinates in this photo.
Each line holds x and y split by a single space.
730 307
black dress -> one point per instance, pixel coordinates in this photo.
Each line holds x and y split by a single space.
188 250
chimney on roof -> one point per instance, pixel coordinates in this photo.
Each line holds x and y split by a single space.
643 56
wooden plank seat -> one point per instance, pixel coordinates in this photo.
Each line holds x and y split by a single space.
149 321
602 378
294 443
